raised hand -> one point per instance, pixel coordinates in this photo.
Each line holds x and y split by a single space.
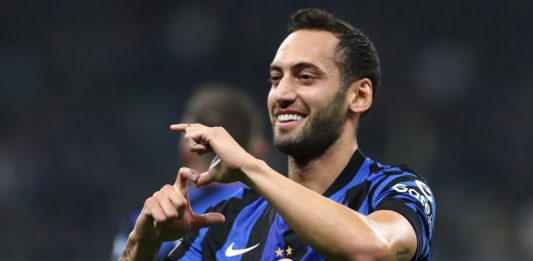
201 139
168 215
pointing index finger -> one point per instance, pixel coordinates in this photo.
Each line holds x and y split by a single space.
181 127
183 177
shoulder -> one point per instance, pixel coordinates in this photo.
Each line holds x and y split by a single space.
383 170
400 182
401 189
400 178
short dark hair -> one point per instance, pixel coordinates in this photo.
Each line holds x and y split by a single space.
228 107
356 55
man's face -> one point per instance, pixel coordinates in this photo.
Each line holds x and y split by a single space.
306 104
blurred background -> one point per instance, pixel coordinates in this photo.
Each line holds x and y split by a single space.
89 88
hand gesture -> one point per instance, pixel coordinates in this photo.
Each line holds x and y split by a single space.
167 215
201 139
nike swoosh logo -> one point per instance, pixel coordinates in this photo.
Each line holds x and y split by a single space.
235 252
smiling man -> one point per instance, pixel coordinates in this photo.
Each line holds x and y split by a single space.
335 203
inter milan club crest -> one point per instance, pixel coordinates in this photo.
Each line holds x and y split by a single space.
284 254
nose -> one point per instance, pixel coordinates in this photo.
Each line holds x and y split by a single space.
284 93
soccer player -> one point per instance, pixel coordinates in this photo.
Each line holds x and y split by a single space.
335 203
213 105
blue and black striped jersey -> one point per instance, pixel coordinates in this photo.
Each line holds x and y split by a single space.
253 230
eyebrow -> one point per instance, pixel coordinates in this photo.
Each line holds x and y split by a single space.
298 66
275 68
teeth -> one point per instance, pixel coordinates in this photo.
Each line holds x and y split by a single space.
289 117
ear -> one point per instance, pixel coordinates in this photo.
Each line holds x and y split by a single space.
360 95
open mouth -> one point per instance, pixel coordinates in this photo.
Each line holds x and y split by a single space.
289 117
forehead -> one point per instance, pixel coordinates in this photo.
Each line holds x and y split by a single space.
309 46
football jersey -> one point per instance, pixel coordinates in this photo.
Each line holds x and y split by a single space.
253 230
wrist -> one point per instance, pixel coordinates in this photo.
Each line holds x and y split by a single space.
250 166
139 248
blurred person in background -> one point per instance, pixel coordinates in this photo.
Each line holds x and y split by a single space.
335 203
212 105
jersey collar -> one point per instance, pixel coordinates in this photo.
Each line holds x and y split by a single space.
347 174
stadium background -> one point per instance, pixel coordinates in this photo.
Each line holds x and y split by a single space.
88 89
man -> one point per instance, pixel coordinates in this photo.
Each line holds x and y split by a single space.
213 105
335 202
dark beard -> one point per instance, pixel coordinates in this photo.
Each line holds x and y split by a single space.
323 131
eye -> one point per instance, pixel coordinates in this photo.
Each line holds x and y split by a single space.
306 78
275 78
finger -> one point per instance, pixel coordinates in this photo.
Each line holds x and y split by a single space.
176 198
182 180
153 209
207 219
205 178
194 141
181 127
208 177
178 201
168 208
190 140
199 148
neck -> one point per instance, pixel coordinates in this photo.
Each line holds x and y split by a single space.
319 173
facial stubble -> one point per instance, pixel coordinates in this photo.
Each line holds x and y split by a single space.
323 130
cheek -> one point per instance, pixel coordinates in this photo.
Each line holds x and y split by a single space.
270 100
270 103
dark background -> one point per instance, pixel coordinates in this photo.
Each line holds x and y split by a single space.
88 89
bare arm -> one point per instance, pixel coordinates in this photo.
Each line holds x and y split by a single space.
331 228
136 249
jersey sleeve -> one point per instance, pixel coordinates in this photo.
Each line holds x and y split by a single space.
409 195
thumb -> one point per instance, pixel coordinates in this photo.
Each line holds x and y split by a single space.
208 219
208 176
205 178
